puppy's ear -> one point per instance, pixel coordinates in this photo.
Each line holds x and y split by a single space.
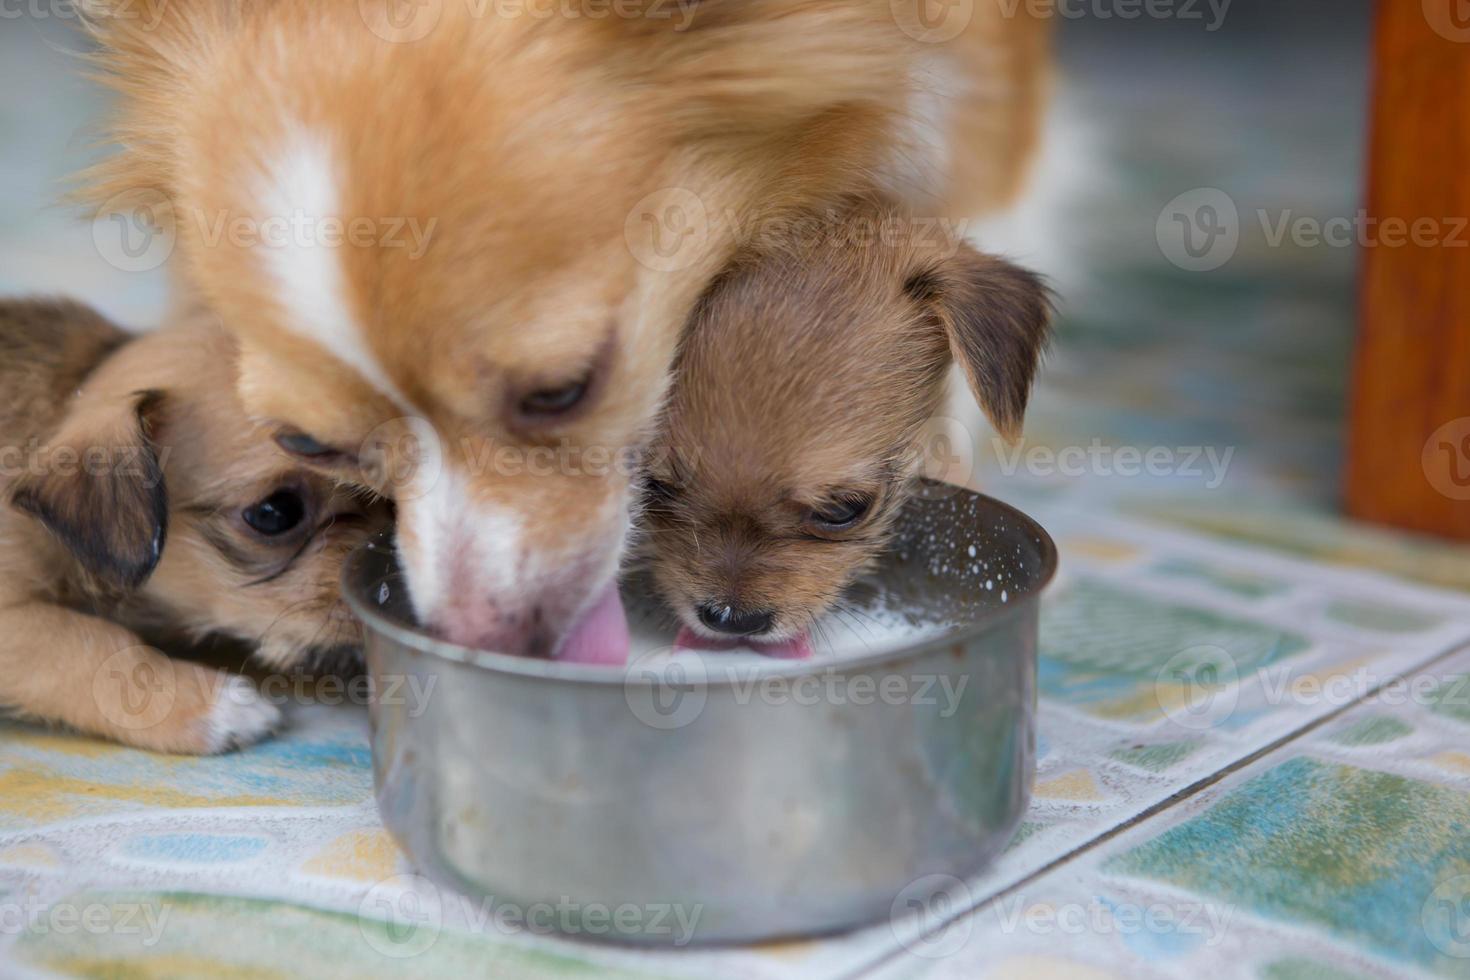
997 317
98 486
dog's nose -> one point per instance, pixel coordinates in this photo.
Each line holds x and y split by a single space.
721 618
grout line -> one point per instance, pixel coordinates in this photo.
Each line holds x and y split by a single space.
1170 802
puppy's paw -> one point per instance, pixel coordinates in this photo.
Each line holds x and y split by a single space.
238 717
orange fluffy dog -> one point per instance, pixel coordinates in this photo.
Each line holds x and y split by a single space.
583 177
143 503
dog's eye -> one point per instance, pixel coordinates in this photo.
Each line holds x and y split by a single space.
301 444
839 515
282 511
547 402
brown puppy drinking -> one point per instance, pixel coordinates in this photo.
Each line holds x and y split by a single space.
805 379
140 501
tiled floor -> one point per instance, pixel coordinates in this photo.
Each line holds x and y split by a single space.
1252 716
1167 661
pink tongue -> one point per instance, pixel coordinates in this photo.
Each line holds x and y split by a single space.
601 635
798 648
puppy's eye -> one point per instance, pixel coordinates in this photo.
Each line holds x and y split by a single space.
282 511
550 402
303 445
840 515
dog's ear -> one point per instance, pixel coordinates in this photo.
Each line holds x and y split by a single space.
997 317
98 486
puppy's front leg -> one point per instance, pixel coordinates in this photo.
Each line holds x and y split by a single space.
57 665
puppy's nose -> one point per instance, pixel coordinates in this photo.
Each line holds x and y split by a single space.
723 619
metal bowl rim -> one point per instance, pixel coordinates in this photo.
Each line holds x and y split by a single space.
420 642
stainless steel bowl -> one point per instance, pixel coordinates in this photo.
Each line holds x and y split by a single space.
813 800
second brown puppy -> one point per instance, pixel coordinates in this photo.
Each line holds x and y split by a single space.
146 507
805 380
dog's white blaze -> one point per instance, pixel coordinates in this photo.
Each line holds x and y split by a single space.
298 195
451 541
